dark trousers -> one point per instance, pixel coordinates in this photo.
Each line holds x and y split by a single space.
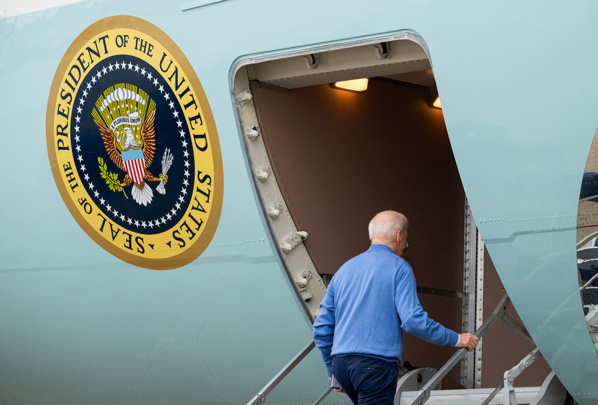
366 380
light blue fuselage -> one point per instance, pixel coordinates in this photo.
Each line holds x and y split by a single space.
77 325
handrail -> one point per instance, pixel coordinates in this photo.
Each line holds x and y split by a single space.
509 378
324 395
499 313
424 394
260 397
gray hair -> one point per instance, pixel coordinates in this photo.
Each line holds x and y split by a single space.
386 224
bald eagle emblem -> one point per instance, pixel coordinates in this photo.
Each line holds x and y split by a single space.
126 124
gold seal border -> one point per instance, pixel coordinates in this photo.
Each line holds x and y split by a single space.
198 246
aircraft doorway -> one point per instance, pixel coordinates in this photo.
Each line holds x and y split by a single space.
326 160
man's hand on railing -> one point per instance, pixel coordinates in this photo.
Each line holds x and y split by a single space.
468 341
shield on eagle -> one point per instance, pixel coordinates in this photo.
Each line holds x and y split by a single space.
134 164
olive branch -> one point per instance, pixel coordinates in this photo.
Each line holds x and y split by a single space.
111 178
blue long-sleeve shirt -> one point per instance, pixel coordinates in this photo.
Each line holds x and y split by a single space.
370 301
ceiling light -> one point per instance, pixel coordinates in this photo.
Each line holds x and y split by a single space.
352 85
436 103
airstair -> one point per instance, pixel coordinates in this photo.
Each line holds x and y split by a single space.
423 386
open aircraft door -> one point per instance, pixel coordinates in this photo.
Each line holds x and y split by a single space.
325 160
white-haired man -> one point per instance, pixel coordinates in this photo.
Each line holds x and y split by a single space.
370 301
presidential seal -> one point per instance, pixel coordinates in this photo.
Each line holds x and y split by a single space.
133 145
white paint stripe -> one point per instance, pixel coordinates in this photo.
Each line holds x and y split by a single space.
11 8
199 3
